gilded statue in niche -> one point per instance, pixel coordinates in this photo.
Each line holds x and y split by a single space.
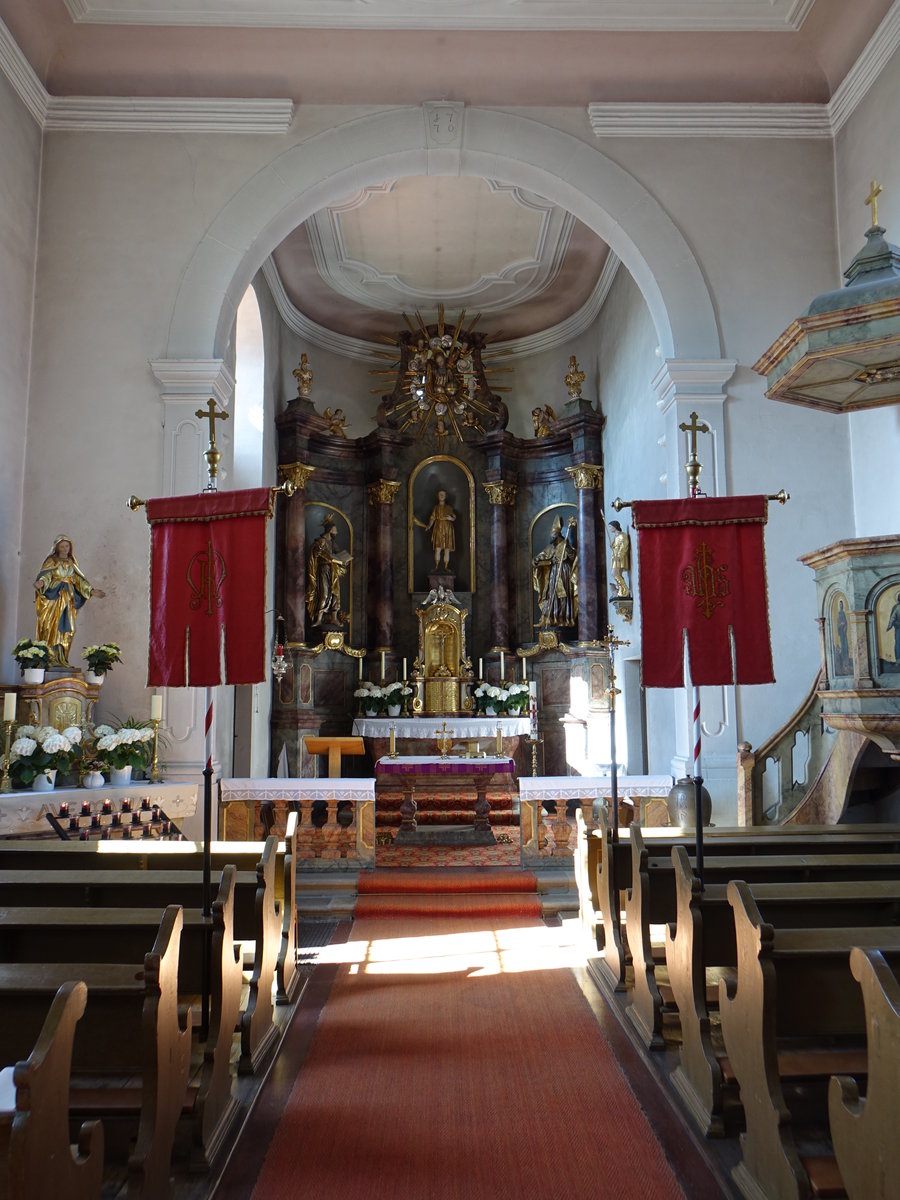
440 524
620 558
326 566
554 575
60 590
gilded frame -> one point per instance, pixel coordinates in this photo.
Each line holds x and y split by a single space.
410 527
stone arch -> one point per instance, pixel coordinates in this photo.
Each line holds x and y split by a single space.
497 145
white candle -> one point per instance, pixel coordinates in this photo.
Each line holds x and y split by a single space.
404 668
393 749
9 706
156 708
502 666
481 668
382 666
360 667
524 669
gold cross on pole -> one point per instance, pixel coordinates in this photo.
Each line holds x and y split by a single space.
610 644
213 454
693 466
872 199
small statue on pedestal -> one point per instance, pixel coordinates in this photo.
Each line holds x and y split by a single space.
325 568
443 539
554 574
60 588
304 376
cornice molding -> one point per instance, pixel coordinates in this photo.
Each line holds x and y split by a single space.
187 380
152 114
363 351
864 72
22 77
782 16
710 120
697 380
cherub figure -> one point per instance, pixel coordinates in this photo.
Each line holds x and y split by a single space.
544 420
336 422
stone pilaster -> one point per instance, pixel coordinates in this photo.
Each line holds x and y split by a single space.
588 481
381 495
293 581
502 496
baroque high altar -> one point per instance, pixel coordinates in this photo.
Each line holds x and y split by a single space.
441 545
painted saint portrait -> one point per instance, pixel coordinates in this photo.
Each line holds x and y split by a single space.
887 626
841 663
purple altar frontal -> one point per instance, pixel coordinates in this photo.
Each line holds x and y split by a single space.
430 764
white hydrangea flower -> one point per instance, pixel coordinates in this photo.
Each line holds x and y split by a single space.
23 747
109 741
56 744
27 731
103 731
73 733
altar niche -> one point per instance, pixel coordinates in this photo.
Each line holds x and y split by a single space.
329 569
553 554
441 531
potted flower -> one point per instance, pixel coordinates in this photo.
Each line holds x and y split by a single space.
100 659
33 657
40 752
393 693
92 773
518 698
491 700
372 699
123 750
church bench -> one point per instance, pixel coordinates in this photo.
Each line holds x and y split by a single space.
653 897
610 865
36 1156
701 944
864 1131
131 1027
794 991
91 935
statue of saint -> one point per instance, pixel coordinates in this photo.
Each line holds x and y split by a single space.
325 567
304 376
620 557
574 379
59 591
554 575
443 539
544 421
894 623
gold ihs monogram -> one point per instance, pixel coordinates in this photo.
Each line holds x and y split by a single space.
706 582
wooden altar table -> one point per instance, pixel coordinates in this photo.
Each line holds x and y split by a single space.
410 769
418 735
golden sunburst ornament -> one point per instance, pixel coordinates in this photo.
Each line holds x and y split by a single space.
440 381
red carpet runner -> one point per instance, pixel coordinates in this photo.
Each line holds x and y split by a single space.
459 1060
485 893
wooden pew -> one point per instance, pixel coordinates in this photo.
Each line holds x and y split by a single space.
653 898
36 1157
131 1026
702 941
92 935
793 984
864 1131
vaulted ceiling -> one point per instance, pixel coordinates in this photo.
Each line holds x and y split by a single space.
467 243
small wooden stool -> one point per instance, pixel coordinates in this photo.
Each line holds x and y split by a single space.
335 748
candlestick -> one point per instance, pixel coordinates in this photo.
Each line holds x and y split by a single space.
6 782
156 708
9 706
499 739
393 746
155 772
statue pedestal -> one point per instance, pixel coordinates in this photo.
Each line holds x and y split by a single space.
441 579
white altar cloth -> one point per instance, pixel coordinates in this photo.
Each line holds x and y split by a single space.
24 813
248 790
587 787
463 728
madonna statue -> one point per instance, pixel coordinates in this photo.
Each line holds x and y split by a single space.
60 590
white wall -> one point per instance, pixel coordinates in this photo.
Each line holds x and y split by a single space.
867 149
20 164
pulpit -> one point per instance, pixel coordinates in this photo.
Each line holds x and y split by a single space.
442 669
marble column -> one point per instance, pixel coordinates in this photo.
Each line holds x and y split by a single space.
294 557
502 496
588 480
381 576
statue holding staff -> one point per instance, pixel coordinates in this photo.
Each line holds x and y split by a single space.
554 575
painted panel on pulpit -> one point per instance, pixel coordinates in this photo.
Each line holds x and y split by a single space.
841 663
441 537
887 626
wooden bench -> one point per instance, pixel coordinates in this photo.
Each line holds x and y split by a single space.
790 984
92 935
864 1131
131 1026
701 944
36 1156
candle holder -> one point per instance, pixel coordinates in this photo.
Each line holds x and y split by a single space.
534 741
6 782
404 712
392 752
155 772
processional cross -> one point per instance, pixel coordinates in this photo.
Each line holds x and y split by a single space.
693 465
213 453
872 199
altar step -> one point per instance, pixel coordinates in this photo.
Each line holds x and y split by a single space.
444 809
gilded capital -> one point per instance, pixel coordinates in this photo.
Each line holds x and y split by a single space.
382 491
297 472
586 475
501 493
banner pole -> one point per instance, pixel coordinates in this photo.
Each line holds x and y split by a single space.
206 893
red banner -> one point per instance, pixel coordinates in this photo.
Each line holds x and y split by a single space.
702 573
208 588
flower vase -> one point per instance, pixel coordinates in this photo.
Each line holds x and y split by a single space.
45 781
93 779
120 776
33 674
93 678
490 711
394 710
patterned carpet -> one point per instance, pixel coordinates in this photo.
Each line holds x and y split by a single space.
501 855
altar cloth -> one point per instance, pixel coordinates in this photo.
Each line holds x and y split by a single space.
429 764
460 728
